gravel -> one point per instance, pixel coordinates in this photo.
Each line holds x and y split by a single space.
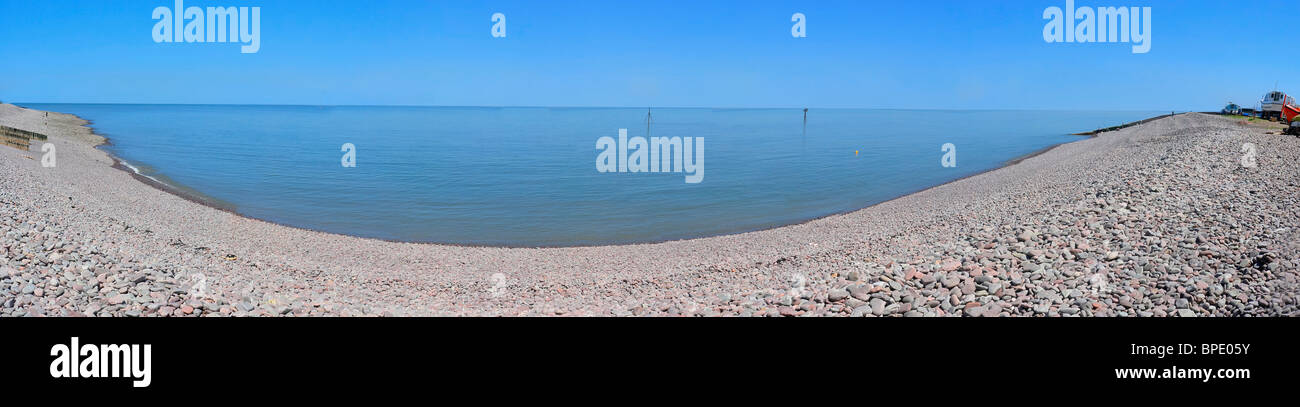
1159 219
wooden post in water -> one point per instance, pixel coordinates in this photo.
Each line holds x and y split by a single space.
803 141
805 122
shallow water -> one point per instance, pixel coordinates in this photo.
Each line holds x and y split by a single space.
527 176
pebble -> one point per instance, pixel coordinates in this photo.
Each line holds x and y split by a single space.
877 306
837 295
860 292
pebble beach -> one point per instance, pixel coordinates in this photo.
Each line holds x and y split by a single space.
1183 216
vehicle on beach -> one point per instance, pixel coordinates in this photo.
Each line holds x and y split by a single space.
1271 105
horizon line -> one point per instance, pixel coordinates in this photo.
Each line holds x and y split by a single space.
581 107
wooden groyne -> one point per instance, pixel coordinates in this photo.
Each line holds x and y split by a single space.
19 138
1122 126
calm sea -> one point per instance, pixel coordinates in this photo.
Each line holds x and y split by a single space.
527 176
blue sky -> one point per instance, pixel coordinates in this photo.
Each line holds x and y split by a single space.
947 54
